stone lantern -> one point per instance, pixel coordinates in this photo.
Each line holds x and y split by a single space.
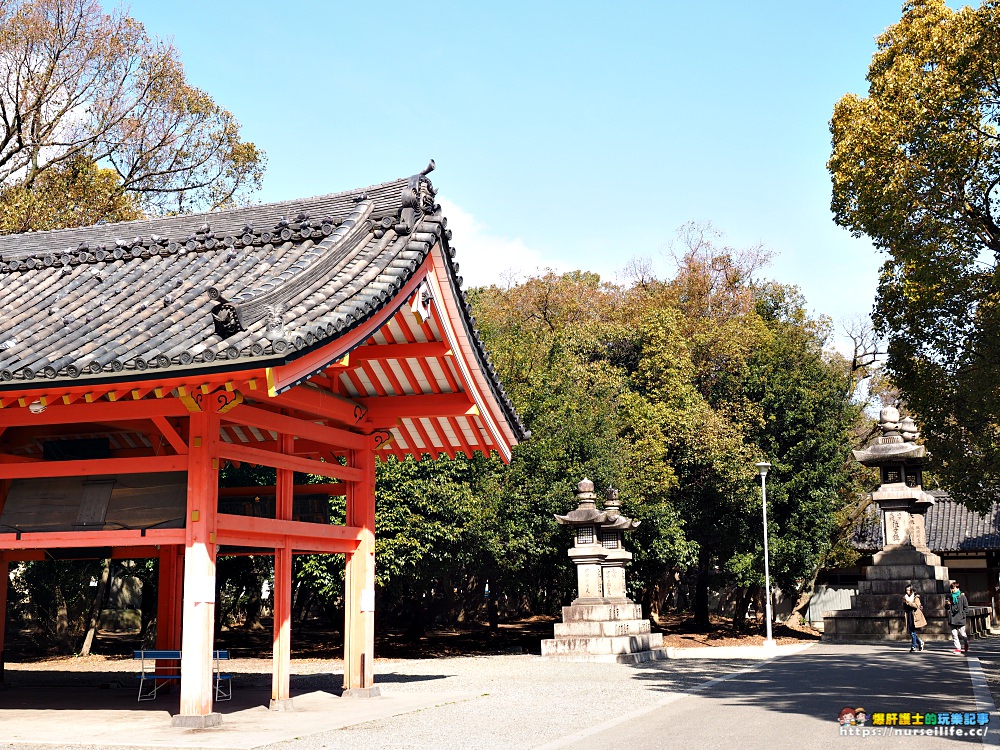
602 623
876 611
597 549
900 495
612 541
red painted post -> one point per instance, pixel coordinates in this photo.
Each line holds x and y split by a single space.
4 583
170 583
281 697
197 634
359 617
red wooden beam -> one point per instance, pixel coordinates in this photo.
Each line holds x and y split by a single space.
270 532
72 539
168 432
330 488
314 401
295 463
149 380
93 467
94 412
250 416
400 351
427 405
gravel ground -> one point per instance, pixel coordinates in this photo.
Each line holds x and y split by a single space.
523 701
513 701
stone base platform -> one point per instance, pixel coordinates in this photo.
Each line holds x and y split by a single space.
877 612
606 631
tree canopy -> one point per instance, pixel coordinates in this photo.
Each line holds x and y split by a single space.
916 167
667 389
89 102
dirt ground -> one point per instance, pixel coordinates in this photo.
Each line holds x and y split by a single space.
678 631
315 640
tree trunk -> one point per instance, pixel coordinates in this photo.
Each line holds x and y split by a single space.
251 618
742 605
701 620
845 527
95 609
62 622
805 595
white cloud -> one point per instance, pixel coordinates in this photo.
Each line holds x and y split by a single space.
486 258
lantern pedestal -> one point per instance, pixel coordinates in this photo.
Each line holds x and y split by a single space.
602 623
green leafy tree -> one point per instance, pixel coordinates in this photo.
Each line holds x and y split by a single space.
916 167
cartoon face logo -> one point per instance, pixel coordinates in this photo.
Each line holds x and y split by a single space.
846 716
860 716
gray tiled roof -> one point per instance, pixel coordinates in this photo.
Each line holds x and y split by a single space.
225 290
951 527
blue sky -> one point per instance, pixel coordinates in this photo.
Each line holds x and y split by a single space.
566 135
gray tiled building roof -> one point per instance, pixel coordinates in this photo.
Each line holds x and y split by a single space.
951 527
225 290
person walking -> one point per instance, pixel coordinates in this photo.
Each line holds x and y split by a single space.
914 618
958 609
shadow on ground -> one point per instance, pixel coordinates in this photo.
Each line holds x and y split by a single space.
822 680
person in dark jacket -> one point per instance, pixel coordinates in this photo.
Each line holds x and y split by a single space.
957 608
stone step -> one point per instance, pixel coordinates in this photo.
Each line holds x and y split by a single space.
874 627
605 628
906 572
935 604
877 612
923 586
906 557
602 612
601 645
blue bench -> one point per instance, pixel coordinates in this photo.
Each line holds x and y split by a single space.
152 679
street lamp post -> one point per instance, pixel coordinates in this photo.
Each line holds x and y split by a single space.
762 467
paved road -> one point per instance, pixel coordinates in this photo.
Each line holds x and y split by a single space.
793 703
509 702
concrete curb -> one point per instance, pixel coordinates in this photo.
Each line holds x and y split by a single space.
735 652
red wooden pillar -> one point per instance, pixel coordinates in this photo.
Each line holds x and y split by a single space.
4 583
197 633
281 698
359 618
170 585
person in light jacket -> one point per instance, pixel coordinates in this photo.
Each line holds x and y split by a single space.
914 618
957 608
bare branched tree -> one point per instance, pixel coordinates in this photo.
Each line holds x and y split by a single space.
78 82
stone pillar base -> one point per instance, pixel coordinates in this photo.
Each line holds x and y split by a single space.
285 704
196 722
372 692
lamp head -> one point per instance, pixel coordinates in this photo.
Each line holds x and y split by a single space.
762 467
